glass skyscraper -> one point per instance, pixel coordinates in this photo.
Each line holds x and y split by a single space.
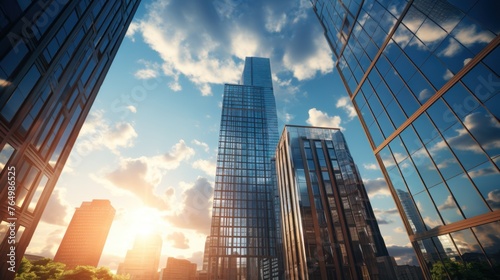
329 228
54 56
423 76
243 231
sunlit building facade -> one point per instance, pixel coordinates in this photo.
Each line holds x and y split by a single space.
54 56
178 269
243 231
141 262
423 76
86 234
329 228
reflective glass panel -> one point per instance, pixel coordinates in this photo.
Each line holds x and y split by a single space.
467 196
486 178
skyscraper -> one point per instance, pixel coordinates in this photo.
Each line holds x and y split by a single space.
243 231
178 269
329 229
86 235
141 262
423 76
54 56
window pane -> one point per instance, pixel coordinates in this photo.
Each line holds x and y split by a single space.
5 155
465 148
485 129
38 192
467 197
426 168
445 203
441 154
411 177
427 210
486 178
489 241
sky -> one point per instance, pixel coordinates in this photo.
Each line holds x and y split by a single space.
149 143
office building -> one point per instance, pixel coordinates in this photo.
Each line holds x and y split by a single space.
54 56
329 229
178 269
409 272
423 76
243 231
141 262
86 235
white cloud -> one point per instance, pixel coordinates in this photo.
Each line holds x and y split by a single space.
150 70
202 144
97 133
376 187
178 240
140 176
318 118
345 103
206 41
206 166
196 207
307 67
132 29
145 74
132 109
370 166
57 208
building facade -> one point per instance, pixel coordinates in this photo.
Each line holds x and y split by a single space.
423 76
54 56
243 231
86 234
329 229
141 262
178 269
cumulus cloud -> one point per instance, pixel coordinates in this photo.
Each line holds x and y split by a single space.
98 133
140 176
370 166
197 258
206 41
57 209
52 243
319 118
345 103
178 240
206 166
150 70
382 215
494 199
403 254
196 210
376 187
202 144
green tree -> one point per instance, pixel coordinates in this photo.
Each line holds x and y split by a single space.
43 269
47 269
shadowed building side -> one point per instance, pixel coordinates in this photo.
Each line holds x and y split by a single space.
54 56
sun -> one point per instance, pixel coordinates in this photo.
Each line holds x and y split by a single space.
146 221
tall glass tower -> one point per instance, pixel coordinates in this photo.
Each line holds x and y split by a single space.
330 230
423 76
54 56
243 232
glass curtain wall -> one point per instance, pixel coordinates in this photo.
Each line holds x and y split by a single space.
423 76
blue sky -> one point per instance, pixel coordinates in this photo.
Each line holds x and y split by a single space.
149 144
